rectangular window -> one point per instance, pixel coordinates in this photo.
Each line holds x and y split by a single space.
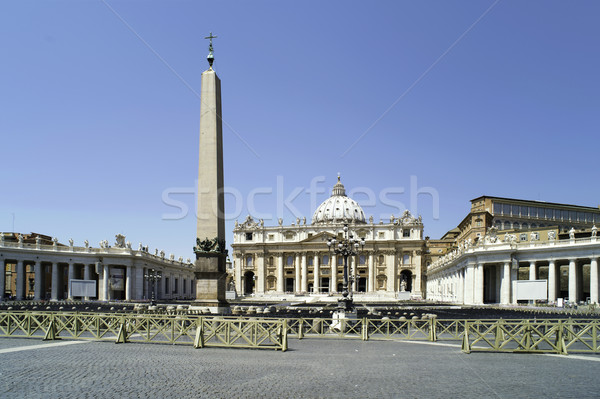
381 235
406 259
309 261
515 210
248 236
572 216
497 209
506 210
271 237
525 211
523 237
405 233
176 284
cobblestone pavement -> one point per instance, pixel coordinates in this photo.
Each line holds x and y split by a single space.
312 368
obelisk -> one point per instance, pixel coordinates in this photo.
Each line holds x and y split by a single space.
210 248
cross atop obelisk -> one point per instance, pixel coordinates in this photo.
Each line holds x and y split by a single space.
210 57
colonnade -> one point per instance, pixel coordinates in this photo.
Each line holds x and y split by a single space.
477 281
25 276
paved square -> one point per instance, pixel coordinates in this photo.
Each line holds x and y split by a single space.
312 368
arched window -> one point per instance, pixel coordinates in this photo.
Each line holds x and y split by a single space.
340 260
309 260
405 259
325 260
516 226
270 261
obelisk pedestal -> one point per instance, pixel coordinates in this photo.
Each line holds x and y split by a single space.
210 249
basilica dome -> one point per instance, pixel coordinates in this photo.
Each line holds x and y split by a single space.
338 208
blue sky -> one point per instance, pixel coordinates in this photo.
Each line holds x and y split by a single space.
100 113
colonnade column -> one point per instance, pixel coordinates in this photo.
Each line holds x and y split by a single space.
70 276
461 286
573 294
514 276
128 281
54 289
261 275
280 282
469 284
333 280
532 271
479 284
505 284
86 276
304 285
551 281
105 291
371 271
2 279
37 281
594 280
20 280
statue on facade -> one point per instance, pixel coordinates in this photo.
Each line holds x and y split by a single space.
128 244
392 218
120 241
20 238
162 254
237 224
403 284
38 240
280 220
533 236
54 241
70 242
140 247
371 219
262 223
572 233
1 238
551 235
594 231
86 243
304 220
155 251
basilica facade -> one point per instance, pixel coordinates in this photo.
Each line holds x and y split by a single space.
273 261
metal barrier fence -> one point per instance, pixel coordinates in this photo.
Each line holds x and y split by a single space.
172 329
537 336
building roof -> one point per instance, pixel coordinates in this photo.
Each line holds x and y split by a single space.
539 203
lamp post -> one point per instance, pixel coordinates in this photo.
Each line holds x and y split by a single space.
153 276
347 246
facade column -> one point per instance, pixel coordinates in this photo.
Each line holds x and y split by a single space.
594 280
333 280
514 276
371 272
71 276
573 294
390 266
304 285
479 284
37 281
20 280
128 281
105 290
86 276
532 271
551 281
55 282
260 274
280 278
297 275
505 284
2 279
316 279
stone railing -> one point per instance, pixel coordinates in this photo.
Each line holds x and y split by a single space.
91 250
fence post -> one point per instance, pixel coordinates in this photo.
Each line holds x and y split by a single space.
122 335
432 333
301 329
499 335
199 339
466 347
365 329
51 332
284 338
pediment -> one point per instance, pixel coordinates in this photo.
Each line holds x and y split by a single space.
321 237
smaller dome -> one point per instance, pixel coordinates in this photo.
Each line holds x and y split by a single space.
338 208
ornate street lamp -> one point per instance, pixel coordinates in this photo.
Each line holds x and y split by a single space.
347 246
153 276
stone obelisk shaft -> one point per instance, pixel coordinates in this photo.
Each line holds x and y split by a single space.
210 249
211 204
